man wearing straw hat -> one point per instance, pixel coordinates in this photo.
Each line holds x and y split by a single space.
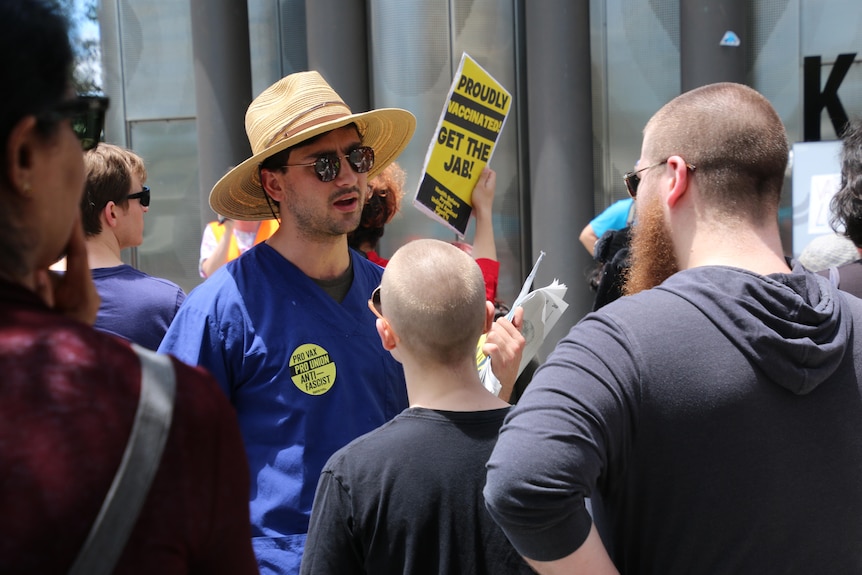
286 328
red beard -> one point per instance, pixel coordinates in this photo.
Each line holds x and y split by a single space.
653 259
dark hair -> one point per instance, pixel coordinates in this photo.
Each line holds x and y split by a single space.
35 72
384 200
35 63
846 205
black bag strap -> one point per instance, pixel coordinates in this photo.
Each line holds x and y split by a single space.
122 504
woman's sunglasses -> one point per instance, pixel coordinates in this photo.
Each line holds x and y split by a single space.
327 166
86 115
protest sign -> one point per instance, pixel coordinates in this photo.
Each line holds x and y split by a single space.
472 119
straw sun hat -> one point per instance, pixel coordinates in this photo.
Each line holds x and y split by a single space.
294 109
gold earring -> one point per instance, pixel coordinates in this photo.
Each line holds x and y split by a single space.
26 189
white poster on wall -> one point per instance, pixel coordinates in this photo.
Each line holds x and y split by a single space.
823 187
816 176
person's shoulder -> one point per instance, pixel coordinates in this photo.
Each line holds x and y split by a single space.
197 387
158 283
852 267
373 446
619 206
123 270
125 280
850 278
171 289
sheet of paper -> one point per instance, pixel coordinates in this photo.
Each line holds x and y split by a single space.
542 308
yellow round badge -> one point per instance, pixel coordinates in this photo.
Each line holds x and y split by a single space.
311 369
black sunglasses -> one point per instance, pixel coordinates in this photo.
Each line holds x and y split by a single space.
633 180
87 116
327 166
143 195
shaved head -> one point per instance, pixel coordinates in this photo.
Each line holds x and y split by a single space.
433 295
736 140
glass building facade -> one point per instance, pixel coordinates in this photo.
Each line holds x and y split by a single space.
585 78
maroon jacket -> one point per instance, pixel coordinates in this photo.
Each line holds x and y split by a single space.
68 396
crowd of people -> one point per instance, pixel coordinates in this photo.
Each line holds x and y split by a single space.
315 412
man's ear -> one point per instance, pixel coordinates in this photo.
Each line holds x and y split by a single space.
489 316
388 337
109 214
271 185
679 182
20 154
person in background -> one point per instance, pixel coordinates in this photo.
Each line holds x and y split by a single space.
484 247
846 209
226 239
135 305
607 239
617 216
69 392
378 507
384 201
286 328
387 190
704 412
828 250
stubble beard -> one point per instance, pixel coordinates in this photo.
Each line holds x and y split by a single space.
652 255
314 224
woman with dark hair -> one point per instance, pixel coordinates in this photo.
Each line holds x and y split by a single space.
847 209
384 201
69 394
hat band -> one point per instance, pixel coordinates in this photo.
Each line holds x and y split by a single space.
286 131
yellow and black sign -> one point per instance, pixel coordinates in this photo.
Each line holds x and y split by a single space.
311 369
469 126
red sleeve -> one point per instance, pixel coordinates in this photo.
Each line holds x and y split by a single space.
491 272
374 257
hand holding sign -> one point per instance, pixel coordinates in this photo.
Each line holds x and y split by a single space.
469 126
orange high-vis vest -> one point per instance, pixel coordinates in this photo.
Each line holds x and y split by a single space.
266 229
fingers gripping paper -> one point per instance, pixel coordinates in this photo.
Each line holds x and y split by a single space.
542 308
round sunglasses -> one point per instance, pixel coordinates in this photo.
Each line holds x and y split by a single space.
327 166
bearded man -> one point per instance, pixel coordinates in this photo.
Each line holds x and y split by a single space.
711 415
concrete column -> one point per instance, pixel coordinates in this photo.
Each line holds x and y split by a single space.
220 49
338 47
560 133
704 24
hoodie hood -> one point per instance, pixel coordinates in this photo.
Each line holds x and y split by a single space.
793 326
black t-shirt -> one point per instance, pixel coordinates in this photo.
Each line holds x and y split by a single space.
407 498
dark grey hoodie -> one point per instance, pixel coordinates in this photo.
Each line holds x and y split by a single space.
716 421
